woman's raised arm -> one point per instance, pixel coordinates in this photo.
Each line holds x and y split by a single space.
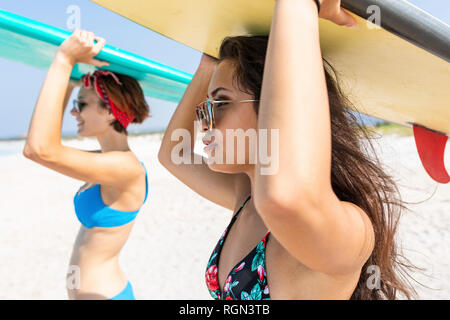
298 203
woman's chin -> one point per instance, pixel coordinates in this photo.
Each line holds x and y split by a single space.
81 133
227 168
223 168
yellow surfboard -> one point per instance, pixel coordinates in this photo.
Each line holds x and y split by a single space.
401 75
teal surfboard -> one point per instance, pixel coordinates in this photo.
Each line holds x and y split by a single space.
35 43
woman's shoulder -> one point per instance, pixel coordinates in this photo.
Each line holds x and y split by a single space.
127 161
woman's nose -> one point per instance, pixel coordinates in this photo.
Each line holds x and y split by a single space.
73 111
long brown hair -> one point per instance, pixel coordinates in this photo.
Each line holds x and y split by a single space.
355 176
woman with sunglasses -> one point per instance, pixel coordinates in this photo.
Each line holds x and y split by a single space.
321 226
116 183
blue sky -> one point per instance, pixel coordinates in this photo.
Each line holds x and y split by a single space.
20 84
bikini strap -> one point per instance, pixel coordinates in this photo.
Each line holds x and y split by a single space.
146 182
248 198
240 209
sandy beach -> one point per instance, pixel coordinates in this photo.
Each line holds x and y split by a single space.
176 230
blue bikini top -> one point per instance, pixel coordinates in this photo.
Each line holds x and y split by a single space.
92 212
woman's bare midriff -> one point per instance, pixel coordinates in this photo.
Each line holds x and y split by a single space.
94 270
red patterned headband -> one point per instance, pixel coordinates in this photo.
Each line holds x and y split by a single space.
99 88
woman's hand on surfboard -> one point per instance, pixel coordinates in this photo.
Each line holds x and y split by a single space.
332 10
80 47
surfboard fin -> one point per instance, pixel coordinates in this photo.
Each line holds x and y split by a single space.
431 147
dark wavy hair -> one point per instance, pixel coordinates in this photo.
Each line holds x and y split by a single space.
355 176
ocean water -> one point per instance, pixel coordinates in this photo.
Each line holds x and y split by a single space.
10 148
7 152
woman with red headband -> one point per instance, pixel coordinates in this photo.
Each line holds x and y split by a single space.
116 181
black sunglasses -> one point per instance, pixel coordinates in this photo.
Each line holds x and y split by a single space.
78 106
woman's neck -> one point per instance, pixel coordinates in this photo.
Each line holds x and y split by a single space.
113 141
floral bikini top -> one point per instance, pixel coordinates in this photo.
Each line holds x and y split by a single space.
247 280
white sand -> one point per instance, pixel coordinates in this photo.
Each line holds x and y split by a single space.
166 255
